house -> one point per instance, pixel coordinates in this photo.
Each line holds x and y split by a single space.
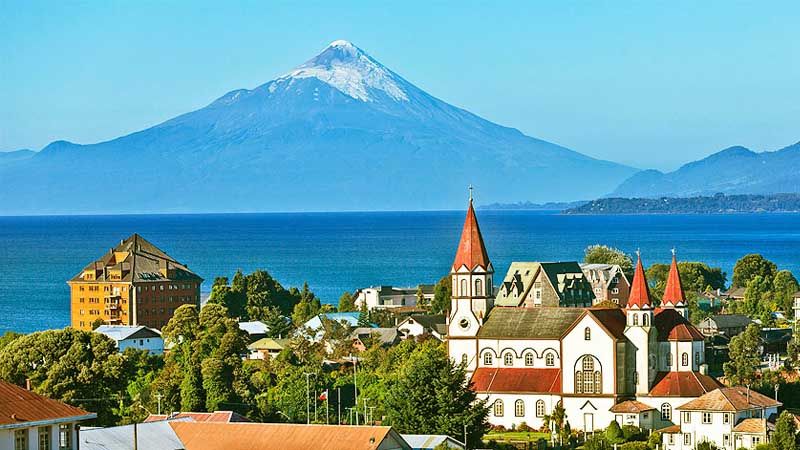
138 337
728 325
735 293
423 324
314 325
523 357
534 284
274 436
431 441
730 417
255 330
32 421
134 283
266 347
363 337
389 297
212 417
609 283
774 340
149 436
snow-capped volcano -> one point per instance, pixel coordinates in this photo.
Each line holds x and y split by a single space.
339 132
348 69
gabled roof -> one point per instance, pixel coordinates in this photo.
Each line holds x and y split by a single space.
273 344
430 441
501 379
569 281
471 251
753 426
732 399
731 320
630 406
386 336
284 436
123 332
428 321
212 417
639 297
150 436
673 293
683 384
529 323
137 260
19 406
254 327
612 319
672 326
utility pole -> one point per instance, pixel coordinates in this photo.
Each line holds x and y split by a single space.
465 436
135 437
308 407
339 406
355 384
315 405
365 410
158 397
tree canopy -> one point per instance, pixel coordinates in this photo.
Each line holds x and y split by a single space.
744 360
603 254
749 266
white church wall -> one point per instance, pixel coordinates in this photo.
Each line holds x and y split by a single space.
510 416
599 345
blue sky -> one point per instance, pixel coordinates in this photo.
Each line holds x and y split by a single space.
651 84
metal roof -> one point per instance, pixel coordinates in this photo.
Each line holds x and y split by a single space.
149 436
19 407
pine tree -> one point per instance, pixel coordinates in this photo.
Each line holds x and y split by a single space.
785 436
363 316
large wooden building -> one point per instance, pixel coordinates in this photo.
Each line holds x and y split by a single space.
134 283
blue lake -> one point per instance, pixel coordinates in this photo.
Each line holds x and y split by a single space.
338 252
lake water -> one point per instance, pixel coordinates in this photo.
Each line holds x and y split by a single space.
338 252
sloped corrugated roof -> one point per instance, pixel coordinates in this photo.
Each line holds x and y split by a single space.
150 436
430 441
630 406
213 417
672 326
735 398
491 379
683 384
530 323
18 406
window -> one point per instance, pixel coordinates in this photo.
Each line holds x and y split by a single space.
487 359
529 359
666 412
671 438
508 359
635 319
697 358
726 418
669 359
65 437
478 287
588 364
635 378
687 439
685 359
550 360
44 438
726 440
519 408
540 412
498 408
615 291
587 379
706 417
21 440
645 320
686 417
587 334
756 441
464 288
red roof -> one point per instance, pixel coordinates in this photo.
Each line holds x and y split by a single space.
213 417
18 406
683 384
672 326
471 251
489 379
640 292
673 293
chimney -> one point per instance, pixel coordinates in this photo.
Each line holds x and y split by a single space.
28 384
704 369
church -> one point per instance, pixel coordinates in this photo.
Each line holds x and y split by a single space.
637 365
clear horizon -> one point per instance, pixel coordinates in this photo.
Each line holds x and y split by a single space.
641 84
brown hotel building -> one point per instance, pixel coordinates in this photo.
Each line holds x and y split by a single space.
134 283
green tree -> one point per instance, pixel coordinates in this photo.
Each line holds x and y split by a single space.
278 324
695 277
758 297
654 441
744 359
232 299
751 265
603 254
363 316
430 395
346 302
706 445
614 433
785 436
557 421
8 338
784 286
441 295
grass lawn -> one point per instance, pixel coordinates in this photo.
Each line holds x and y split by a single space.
516 436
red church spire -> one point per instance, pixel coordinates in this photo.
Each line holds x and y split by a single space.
640 292
673 293
471 251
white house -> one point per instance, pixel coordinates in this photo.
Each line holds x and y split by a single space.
388 297
255 329
138 337
431 441
423 324
32 422
634 365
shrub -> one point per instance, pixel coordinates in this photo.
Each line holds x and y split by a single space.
636 445
614 433
765 447
633 433
705 445
596 442
654 441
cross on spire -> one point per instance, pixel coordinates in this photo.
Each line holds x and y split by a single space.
674 251
470 192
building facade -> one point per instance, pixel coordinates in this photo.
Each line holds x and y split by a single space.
535 284
609 283
136 337
637 365
389 297
134 283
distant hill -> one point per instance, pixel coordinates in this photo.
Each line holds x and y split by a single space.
716 204
735 170
15 155
530 206
339 132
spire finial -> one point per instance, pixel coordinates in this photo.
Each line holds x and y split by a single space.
638 253
470 192
674 252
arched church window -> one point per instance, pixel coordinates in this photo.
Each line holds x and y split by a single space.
464 288
587 334
666 412
508 359
478 287
587 379
598 382
487 359
645 320
529 359
588 364
550 360
498 408
579 382
519 408
685 359
636 320
540 412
